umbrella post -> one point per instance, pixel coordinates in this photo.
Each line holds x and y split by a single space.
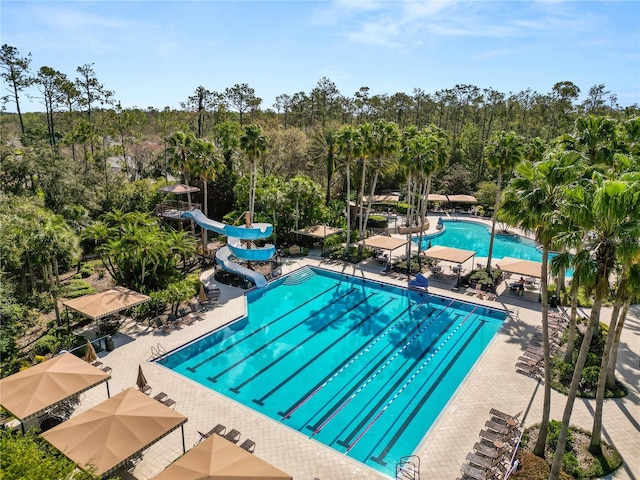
108 392
184 448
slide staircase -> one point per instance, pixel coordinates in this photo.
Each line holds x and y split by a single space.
239 245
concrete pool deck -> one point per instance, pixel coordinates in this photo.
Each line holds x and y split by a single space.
493 383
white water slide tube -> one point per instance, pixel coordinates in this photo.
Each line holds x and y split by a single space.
235 247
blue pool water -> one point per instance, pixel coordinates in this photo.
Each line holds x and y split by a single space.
361 366
476 236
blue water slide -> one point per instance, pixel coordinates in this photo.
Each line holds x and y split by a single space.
222 257
244 251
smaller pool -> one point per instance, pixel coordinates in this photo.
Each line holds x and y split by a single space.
476 236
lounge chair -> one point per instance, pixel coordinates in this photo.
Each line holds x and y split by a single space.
499 428
219 429
170 403
106 369
163 327
248 445
483 462
504 416
233 436
490 451
174 321
529 370
476 473
146 389
161 397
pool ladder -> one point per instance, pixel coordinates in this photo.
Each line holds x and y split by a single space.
157 352
408 468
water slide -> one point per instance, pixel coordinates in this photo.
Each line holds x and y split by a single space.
235 246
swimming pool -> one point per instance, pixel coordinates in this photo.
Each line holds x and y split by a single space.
363 367
476 236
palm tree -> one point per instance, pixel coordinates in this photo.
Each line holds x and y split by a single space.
253 143
386 144
603 207
532 202
182 148
503 152
348 148
207 164
367 145
323 149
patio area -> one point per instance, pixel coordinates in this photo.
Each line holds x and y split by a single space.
493 383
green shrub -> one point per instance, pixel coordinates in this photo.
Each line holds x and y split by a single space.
39 359
45 345
565 372
592 360
86 270
77 288
377 221
590 377
570 465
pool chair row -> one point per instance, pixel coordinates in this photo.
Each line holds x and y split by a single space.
174 322
531 362
492 456
233 436
481 291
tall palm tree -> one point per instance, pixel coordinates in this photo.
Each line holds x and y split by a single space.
386 144
254 143
532 202
348 148
323 149
602 208
367 145
504 152
208 162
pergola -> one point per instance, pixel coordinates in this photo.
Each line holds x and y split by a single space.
462 198
318 231
106 436
383 242
381 198
526 268
449 254
103 304
216 458
31 392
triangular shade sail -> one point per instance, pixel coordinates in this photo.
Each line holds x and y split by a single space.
218 459
28 393
110 433
106 303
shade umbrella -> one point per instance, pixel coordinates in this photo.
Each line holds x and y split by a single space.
218 459
90 355
141 381
202 294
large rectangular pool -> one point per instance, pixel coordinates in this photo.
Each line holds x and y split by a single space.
361 366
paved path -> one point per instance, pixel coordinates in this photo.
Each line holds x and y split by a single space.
492 384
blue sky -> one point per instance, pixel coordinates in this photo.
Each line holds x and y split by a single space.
155 53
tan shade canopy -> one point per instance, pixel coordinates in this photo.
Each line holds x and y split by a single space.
383 242
28 393
218 459
108 434
462 198
318 231
527 268
436 197
179 189
106 303
448 254
381 198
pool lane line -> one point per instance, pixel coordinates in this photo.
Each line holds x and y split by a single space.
278 337
341 315
345 442
423 399
327 417
258 330
260 401
310 393
361 350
